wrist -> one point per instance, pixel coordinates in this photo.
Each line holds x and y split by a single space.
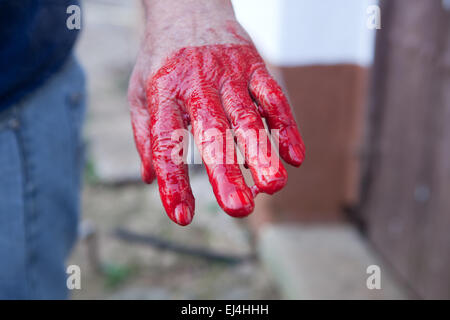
165 13
171 25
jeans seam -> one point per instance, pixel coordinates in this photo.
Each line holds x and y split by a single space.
29 197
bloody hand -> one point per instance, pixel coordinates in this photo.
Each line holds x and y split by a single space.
214 80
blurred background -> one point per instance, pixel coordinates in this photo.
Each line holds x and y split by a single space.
372 102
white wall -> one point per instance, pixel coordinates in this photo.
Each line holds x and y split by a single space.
304 32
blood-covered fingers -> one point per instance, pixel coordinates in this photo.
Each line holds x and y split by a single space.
278 114
211 133
267 170
168 154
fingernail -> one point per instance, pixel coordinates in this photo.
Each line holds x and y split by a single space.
296 149
182 214
297 154
271 183
240 203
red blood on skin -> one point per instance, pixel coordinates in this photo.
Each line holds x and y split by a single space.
211 87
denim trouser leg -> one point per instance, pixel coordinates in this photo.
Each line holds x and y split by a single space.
40 166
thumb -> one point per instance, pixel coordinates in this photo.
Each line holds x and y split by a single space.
140 121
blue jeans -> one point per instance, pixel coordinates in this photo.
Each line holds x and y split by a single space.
40 167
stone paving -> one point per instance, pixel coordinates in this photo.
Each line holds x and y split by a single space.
130 270
327 262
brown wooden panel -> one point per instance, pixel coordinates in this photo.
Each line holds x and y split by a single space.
328 102
406 197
